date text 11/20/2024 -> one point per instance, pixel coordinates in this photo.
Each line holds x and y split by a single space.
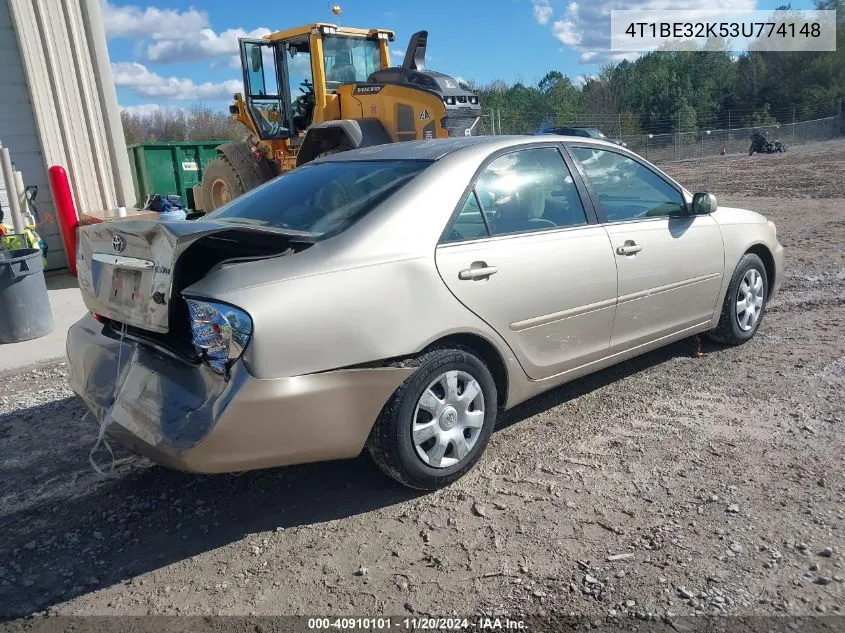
417 624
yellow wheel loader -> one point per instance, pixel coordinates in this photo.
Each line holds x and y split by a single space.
348 96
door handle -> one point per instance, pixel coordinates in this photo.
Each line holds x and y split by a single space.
630 247
478 270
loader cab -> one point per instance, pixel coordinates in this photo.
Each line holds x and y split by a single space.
291 77
266 91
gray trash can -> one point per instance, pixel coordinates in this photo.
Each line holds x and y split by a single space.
24 304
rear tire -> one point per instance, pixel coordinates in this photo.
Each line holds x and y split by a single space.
745 303
449 402
220 183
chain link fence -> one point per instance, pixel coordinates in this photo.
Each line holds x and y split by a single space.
664 148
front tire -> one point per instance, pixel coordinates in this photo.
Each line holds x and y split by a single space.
745 302
437 424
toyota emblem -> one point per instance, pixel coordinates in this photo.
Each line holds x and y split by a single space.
118 243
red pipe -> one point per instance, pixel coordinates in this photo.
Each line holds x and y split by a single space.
66 211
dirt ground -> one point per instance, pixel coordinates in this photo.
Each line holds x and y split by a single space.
666 486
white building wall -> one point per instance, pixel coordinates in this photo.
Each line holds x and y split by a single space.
19 133
65 110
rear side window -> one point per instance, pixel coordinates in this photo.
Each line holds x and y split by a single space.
322 198
529 190
521 191
470 224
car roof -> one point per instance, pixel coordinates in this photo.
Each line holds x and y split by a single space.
435 149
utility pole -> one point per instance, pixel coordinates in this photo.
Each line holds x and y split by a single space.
500 119
678 136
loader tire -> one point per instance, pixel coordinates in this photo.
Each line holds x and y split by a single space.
220 183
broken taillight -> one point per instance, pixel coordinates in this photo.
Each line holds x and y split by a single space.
220 333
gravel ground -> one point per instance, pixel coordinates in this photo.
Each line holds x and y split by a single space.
666 485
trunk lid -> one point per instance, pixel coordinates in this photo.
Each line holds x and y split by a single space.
128 271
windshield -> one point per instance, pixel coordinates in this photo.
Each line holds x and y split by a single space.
322 198
349 59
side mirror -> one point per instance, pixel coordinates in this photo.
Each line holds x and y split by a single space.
703 203
255 59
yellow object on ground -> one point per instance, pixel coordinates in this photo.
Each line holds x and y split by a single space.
9 240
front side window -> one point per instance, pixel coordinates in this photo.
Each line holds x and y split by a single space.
349 59
320 199
628 190
529 190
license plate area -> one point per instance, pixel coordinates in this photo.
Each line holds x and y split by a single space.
126 289
122 287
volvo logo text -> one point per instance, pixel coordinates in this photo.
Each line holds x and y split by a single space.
118 243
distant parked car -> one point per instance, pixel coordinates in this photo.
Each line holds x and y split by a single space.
587 132
398 297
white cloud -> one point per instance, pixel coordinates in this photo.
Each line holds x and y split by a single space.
585 26
201 45
171 35
397 53
150 85
234 61
581 80
146 109
542 11
151 23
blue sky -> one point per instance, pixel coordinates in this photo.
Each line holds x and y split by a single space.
174 53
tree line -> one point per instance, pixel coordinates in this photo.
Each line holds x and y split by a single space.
691 90
199 123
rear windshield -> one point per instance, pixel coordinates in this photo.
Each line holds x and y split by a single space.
320 199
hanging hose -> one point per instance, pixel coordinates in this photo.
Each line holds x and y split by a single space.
107 418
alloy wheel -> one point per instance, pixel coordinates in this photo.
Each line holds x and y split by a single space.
749 300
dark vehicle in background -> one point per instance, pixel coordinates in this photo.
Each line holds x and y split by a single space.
761 145
588 132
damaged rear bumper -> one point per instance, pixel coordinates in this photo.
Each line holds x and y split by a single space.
186 417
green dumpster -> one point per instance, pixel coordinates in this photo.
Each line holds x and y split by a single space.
170 168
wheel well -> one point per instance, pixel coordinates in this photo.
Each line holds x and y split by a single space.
768 261
488 353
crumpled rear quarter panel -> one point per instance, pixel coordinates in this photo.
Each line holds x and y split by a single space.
187 417
165 402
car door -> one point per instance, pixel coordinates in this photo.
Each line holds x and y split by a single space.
669 262
526 256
